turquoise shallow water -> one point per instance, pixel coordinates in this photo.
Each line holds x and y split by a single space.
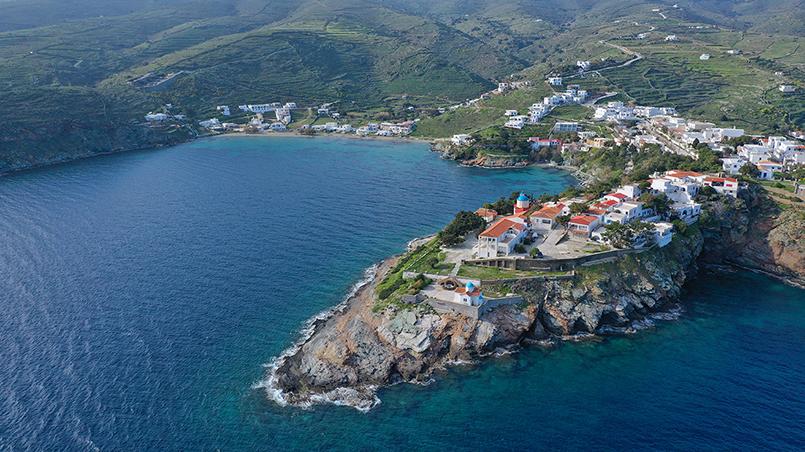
142 293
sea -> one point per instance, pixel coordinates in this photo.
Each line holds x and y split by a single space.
142 296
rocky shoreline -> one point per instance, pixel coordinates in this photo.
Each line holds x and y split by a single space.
345 356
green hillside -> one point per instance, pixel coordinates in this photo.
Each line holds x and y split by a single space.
71 71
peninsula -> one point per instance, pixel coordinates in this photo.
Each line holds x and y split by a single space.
536 271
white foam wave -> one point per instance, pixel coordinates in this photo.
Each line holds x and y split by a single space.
339 396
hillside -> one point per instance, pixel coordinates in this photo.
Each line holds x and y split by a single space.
69 69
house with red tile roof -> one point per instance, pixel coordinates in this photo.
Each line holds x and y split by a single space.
500 238
488 215
583 225
544 219
724 185
618 197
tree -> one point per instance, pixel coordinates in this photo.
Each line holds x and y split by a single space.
563 219
661 204
579 207
643 232
618 235
463 223
749 170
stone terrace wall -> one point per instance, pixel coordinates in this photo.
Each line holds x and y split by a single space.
552 264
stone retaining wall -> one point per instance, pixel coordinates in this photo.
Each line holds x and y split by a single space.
552 264
473 312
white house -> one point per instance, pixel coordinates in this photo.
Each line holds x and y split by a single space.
461 139
156 117
584 65
583 225
468 295
563 127
212 123
224 109
688 212
510 113
733 165
663 233
555 81
724 185
500 238
488 215
260 108
754 152
788 89
767 169
671 38
545 218
516 122
277 127
704 56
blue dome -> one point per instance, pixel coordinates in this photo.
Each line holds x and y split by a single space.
522 197
470 286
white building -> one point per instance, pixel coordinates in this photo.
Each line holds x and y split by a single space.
733 165
260 108
224 109
663 233
516 122
468 295
277 127
461 139
555 81
501 238
156 117
210 124
704 56
544 219
724 185
583 225
688 212
788 89
584 65
767 169
754 152
671 38
510 113
631 191
566 127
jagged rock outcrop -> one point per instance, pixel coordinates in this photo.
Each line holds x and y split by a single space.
755 233
356 350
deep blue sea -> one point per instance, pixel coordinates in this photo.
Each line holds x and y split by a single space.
141 295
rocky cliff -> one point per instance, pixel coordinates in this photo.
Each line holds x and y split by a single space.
756 233
347 356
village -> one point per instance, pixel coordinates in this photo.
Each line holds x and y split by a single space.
548 240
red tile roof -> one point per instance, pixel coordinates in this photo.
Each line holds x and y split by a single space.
618 195
486 212
549 211
680 174
720 179
584 219
500 227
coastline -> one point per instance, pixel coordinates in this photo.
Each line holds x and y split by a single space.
79 157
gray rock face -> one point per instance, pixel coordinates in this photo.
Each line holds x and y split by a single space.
351 354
